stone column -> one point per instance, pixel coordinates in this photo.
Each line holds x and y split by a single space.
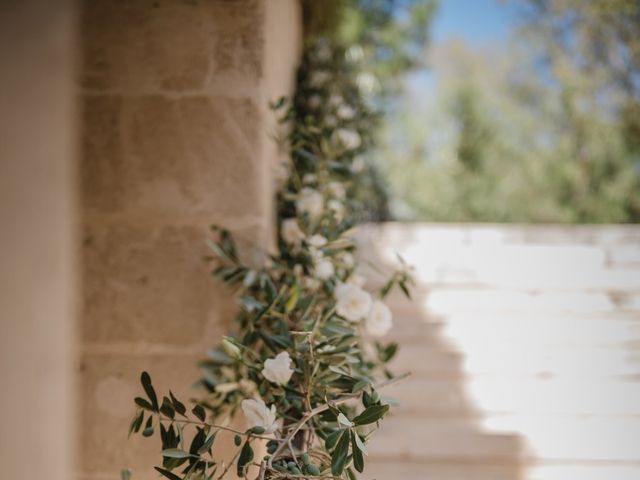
176 138
37 220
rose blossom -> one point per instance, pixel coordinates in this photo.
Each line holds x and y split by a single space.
378 322
324 269
352 302
290 231
337 208
258 415
336 189
310 201
349 139
278 370
345 112
317 241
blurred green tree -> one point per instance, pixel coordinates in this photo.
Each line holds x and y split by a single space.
544 129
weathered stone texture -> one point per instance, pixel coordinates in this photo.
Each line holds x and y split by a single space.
171 45
175 138
187 156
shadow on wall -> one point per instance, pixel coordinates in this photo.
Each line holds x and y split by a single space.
520 341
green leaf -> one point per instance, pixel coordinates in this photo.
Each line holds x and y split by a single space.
174 453
145 379
360 445
208 443
167 408
371 414
332 439
168 474
340 454
250 304
141 402
246 456
343 420
358 459
148 428
125 474
136 422
178 405
199 412
293 298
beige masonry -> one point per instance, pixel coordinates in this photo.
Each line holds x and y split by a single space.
37 238
176 137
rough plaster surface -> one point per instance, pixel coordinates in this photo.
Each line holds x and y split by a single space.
176 137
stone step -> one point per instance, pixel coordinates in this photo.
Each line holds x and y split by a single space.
409 438
390 469
501 394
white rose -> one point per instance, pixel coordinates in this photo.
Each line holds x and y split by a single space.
310 201
349 139
378 322
312 283
352 302
290 231
348 260
324 269
337 208
357 280
345 112
336 189
319 78
336 100
317 241
309 178
358 164
258 415
278 370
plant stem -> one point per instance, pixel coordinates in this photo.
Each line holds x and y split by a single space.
322 408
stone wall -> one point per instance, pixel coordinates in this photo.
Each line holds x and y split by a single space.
176 137
38 241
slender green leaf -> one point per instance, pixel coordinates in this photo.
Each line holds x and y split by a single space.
145 379
340 454
175 453
178 405
148 428
371 414
199 412
168 474
358 459
246 456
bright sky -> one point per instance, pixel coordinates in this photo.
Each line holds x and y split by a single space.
477 22
472 20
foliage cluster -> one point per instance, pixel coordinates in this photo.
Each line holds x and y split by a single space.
305 363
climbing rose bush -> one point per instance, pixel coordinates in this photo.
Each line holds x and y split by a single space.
306 362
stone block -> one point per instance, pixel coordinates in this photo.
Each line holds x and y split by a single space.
145 45
152 286
190 156
108 383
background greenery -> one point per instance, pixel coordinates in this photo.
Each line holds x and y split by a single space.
542 128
